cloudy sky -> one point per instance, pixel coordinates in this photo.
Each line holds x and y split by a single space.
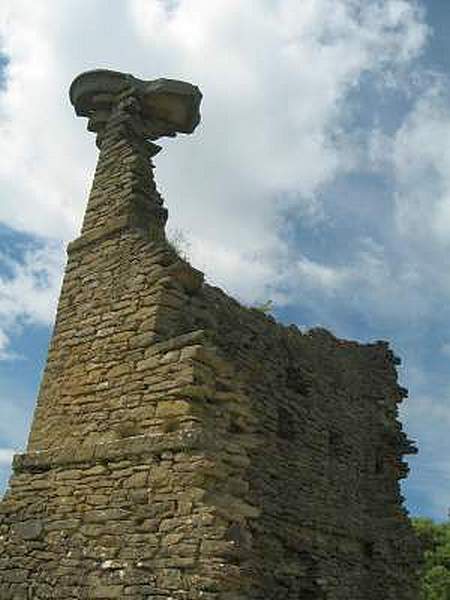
319 177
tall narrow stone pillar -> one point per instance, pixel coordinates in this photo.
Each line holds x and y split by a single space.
104 298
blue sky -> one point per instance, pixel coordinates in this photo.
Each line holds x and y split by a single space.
319 177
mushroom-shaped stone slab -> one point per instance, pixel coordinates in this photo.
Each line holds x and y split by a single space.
167 106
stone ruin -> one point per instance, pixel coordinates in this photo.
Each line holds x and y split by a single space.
186 447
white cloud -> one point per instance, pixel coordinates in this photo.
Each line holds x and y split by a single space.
6 455
421 159
28 293
416 161
4 342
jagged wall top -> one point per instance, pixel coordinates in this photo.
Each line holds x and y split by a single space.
166 106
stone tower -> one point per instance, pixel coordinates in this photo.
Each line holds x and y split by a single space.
183 446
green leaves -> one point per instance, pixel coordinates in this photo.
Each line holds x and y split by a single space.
435 541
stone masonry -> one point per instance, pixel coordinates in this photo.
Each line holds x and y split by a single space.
185 447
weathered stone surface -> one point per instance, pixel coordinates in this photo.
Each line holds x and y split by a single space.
184 446
29 530
167 106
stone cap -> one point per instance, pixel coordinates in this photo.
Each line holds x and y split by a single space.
167 106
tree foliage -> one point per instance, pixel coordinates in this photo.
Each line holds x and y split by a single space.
435 541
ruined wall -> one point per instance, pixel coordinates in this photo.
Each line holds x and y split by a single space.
324 458
186 447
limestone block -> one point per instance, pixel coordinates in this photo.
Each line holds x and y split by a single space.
104 591
170 579
29 530
173 408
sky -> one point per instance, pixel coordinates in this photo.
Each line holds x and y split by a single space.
318 178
